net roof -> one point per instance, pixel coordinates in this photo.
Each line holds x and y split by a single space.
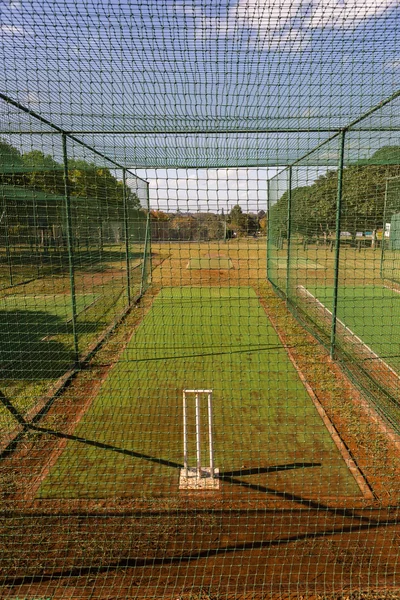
192 83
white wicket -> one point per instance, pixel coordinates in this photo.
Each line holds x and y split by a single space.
198 432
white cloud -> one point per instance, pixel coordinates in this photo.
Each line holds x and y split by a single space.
310 112
347 13
285 24
329 155
262 15
393 65
12 30
15 5
31 98
284 40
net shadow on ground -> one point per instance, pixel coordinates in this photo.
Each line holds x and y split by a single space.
247 350
24 355
228 476
362 525
114 402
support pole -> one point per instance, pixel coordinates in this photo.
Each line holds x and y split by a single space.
7 240
35 235
101 239
224 224
383 231
337 242
267 231
198 441
289 229
210 435
147 248
70 246
126 233
148 240
185 448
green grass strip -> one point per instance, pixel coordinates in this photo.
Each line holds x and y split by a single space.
210 263
54 304
372 313
264 420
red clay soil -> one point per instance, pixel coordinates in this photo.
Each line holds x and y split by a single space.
177 553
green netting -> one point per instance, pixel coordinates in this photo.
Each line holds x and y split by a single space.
171 424
278 229
341 262
390 236
74 259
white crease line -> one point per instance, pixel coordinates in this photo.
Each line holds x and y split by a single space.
350 331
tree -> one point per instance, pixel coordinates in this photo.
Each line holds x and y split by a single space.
208 226
250 224
363 196
10 158
237 220
263 224
387 155
89 181
159 222
11 164
159 215
43 173
183 227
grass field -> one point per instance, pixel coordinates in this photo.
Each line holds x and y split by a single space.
36 332
58 304
267 430
210 263
372 313
390 266
296 263
34 328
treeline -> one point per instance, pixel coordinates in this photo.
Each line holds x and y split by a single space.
32 202
204 226
313 213
37 171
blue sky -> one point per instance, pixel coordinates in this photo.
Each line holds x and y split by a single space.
189 65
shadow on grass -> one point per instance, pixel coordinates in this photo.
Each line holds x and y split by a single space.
26 354
58 257
227 475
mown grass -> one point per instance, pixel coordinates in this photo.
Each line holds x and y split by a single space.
36 330
372 313
210 263
201 337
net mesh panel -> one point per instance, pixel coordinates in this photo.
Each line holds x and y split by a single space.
199 195
390 266
311 256
367 305
341 276
277 229
65 264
